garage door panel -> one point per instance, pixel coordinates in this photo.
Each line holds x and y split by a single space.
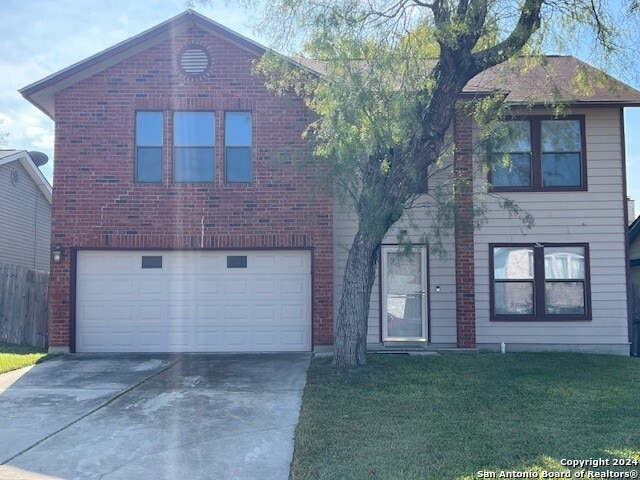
264 338
180 338
208 264
206 314
293 286
150 314
94 286
92 314
179 313
293 339
121 286
122 340
93 339
237 339
293 262
207 286
235 314
121 315
264 286
236 286
194 302
151 288
265 314
105 263
264 262
179 285
207 338
176 263
292 313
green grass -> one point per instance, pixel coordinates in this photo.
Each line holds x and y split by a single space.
13 356
449 417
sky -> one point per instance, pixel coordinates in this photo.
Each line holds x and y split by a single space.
42 37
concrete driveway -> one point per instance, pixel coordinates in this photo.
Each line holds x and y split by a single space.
151 417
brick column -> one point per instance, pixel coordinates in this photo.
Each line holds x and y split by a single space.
464 251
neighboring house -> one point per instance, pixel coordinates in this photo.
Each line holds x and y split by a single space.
25 210
634 250
190 218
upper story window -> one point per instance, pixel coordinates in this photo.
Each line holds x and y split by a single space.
540 153
193 146
540 282
238 142
149 147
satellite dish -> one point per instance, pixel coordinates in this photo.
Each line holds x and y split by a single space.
39 158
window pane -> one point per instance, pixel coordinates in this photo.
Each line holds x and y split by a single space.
564 298
238 164
238 129
561 136
564 263
193 129
149 129
515 138
193 165
514 298
561 170
512 263
149 164
516 174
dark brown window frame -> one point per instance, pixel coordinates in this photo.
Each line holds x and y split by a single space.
539 281
535 124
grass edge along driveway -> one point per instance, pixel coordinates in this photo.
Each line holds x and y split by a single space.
455 416
13 356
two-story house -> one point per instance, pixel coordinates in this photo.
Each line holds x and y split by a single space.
189 215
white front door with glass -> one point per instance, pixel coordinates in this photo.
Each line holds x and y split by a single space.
404 294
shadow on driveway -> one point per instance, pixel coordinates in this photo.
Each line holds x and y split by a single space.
152 417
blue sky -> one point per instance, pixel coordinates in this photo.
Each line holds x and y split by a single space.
41 37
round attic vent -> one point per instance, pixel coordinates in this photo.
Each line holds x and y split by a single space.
194 61
15 177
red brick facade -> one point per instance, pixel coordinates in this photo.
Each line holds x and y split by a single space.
464 251
97 203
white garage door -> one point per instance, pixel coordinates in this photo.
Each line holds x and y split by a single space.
185 301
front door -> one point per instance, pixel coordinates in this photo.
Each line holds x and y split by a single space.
404 294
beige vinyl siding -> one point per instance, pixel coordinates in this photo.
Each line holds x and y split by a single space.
441 271
25 220
594 217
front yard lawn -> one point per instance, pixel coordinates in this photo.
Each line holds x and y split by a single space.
13 356
456 416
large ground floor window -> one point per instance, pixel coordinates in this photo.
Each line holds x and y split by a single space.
536 282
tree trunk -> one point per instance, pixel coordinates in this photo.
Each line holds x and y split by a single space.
351 324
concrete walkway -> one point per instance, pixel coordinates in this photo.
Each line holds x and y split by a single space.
151 417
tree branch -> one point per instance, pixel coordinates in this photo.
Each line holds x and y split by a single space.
528 23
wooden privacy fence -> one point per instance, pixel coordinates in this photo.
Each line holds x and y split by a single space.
24 310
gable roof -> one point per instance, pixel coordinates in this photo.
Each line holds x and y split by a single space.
42 93
551 79
22 156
